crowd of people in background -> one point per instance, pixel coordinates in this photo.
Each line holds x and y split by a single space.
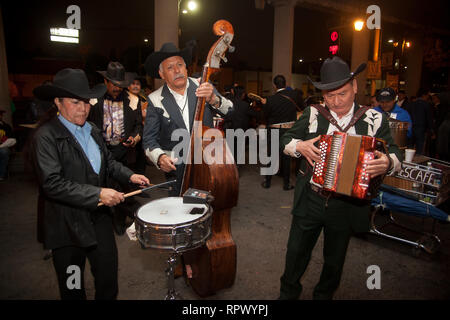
427 113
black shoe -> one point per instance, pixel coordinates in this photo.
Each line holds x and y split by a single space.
265 184
288 187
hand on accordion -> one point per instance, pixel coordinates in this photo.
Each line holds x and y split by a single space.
379 165
309 150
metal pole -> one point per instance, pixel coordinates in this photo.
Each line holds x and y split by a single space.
376 49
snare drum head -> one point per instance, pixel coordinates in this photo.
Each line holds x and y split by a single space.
168 211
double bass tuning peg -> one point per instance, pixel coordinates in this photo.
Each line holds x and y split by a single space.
231 49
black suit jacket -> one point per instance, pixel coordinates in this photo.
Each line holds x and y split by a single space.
165 117
279 109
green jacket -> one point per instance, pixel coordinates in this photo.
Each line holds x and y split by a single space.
310 125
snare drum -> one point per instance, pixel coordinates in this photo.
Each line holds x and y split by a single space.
168 225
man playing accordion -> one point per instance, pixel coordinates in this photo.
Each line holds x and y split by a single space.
313 210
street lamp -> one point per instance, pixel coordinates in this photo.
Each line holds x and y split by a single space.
192 5
359 24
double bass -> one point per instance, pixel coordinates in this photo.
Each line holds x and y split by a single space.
214 264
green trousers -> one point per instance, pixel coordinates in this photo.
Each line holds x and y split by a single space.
332 216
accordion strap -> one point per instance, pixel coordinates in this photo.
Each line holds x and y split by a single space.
356 116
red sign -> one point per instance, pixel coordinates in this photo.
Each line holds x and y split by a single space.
334 49
334 36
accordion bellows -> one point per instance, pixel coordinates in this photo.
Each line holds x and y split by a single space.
343 162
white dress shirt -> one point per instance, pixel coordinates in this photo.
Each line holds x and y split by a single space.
183 104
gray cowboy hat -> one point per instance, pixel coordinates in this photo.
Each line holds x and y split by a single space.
115 72
167 50
334 73
69 83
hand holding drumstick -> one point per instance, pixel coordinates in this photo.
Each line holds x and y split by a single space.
117 197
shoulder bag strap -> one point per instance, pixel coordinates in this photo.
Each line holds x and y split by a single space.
291 100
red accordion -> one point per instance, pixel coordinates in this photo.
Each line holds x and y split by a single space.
342 165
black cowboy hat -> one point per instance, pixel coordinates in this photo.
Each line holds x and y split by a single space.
69 83
115 72
334 73
167 50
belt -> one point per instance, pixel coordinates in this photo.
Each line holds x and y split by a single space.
316 189
284 125
321 192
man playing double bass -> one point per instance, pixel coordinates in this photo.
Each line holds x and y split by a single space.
172 107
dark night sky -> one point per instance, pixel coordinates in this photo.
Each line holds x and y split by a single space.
109 28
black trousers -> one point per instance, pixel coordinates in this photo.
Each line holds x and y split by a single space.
102 258
331 217
284 160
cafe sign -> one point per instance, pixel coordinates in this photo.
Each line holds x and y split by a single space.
418 173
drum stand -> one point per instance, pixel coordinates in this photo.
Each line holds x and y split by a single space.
172 294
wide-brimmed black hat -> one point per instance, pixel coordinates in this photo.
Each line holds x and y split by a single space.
168 49
115 72
69 83
334 73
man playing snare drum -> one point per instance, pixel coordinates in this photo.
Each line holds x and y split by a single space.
72 164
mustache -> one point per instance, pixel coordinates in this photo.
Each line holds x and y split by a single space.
178 76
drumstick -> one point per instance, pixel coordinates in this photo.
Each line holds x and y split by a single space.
151 186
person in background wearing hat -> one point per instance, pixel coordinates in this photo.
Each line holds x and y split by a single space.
72 164
172 107
313 211
387 105
118 115
134 91
6 141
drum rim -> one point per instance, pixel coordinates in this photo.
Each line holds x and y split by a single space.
178 225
